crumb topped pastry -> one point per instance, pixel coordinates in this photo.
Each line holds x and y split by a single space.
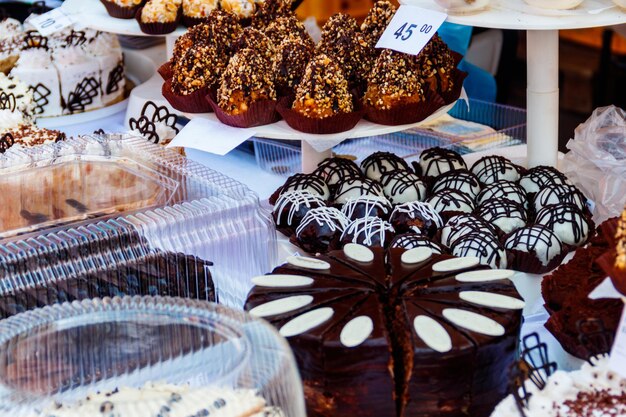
290 62
200 67
160 11
340 41
377 21
437 65
270 10
126 3
222 31
285 27
247 79
394 81
31 135
323 91
255 39
240 8
199 9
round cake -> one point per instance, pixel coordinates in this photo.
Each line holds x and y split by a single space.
394 333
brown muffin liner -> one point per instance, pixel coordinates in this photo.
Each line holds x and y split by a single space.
453 95
166 71
609 231
120 12
457 58
530 263
191 103
334 124
259 113
157 28
607 263
189 21
406 113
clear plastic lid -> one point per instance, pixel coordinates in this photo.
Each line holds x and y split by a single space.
116 215
133 355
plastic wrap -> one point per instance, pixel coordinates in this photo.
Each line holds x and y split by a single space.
107 216
596 162
68 353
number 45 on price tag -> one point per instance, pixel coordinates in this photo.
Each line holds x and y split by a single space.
410 29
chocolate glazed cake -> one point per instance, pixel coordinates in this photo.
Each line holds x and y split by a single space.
394 333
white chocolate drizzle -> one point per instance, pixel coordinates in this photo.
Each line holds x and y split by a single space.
281 306
473 321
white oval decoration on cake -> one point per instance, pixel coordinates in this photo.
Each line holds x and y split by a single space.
280 306
356 331
485 275
488 299
433 334
474 322
306 322
358 253
280 281
455 264
416 256
308 263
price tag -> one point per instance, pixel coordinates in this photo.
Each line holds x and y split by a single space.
50 22
410 29
212 137
617 362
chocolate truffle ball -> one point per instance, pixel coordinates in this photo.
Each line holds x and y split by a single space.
367 206
353 188
559 194
379 163
537 240
451 202
368 231
487 248
503 189
567 221
413 241
460 180
402 187
303 182
461 225
335 170
437 161
416 217
291 207
506 215
320 229
493 168
538 178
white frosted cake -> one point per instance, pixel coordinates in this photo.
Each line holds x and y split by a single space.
159 399
69 72
594 390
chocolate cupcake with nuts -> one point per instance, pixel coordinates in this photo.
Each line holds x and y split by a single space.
437 64
222 30
197 11
395 95
255 39
290 64
288 27
376 21
340 42
122 9
195 74
270 10
323 103
246 96
159 17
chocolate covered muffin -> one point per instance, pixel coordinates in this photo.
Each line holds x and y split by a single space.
200 67
394 81
247 80
285 27
340 42
323 91
376 21
437 65
270 10
292 56
257 41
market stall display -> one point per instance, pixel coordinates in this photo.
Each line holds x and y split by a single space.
493 210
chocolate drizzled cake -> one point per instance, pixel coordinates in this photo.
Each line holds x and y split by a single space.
323 91
411 241
270 10
353 188
493 168
257 41
335 170
303 182
200 67
437 65
368 231
367 206
286 27
437 161
394 333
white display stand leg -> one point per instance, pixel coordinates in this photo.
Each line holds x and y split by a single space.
543 97
311 157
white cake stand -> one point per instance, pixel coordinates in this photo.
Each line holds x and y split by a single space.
543 57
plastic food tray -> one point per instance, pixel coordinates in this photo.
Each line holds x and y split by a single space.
112 215
65 353
508 124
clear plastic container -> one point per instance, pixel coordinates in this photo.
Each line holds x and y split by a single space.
140 353
506 126
113 215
